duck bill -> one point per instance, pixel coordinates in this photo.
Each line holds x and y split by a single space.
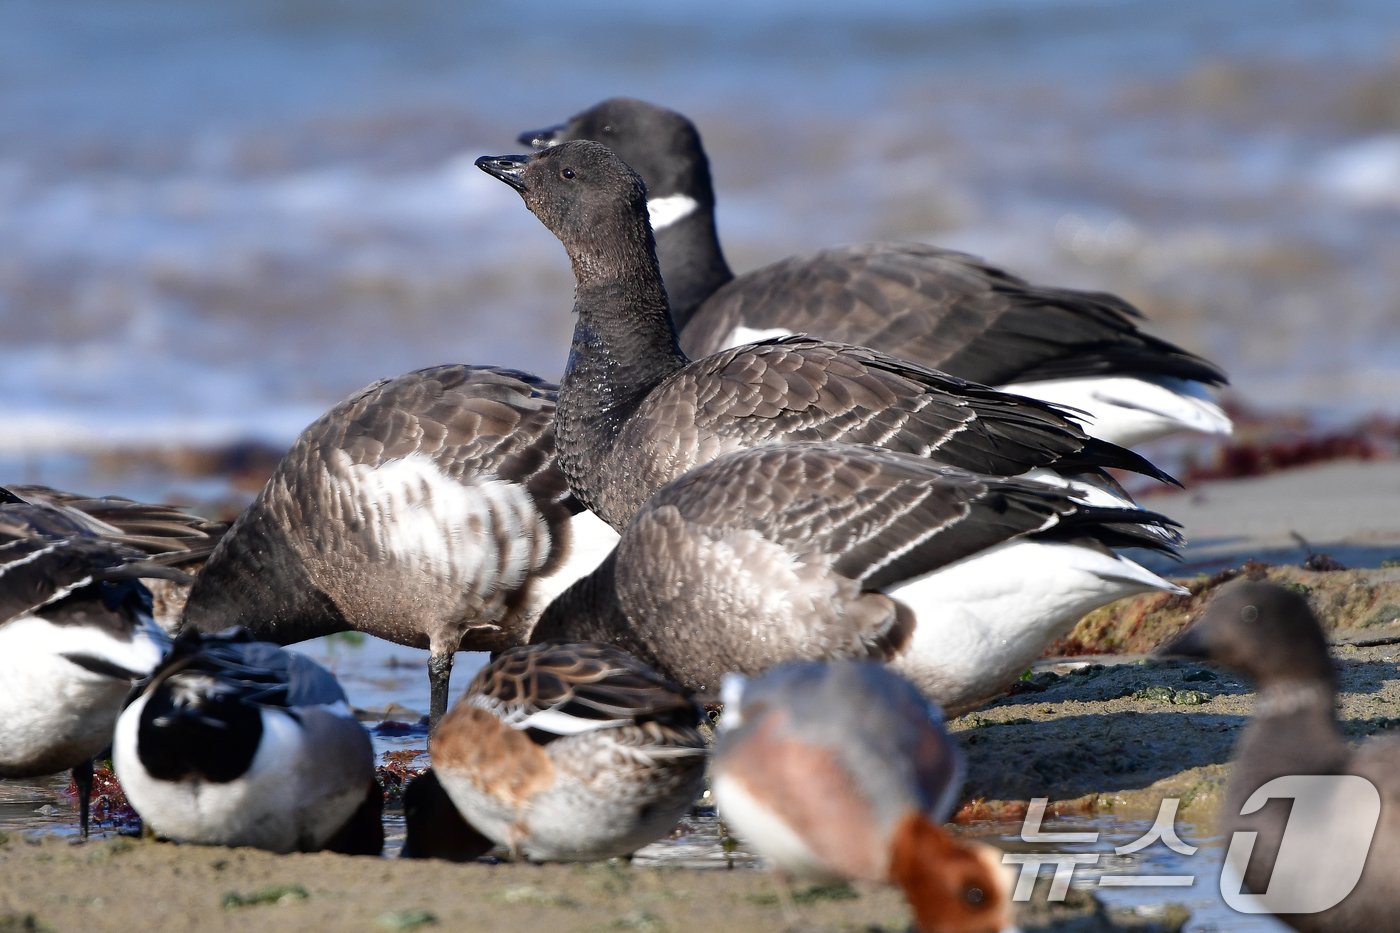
508 168
543 139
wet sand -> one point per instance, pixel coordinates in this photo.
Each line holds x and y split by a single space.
1106 734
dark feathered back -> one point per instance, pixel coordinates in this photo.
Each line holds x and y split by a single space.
258 672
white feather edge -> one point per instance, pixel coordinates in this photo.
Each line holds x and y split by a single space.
1130 410
1126 410
419 515
742 336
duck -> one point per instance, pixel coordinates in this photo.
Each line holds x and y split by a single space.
945 309
76 632
238 742
169 534
1270 634
570 752
824 551
634 412
842 771
425 509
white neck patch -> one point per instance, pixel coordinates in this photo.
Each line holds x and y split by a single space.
666 211
742 336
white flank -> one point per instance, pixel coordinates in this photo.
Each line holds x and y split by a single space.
983 620
1128 410
342 709
666 211
50 706
590 541
496 819
484 534
741 336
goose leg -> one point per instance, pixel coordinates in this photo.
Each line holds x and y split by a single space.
439 673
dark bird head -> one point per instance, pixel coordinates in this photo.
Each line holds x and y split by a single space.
584 194
661 145
1263 630
195 726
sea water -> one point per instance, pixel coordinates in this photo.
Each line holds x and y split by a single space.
218 219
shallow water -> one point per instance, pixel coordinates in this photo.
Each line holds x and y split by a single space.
389 678
1115 878
696 845
216 220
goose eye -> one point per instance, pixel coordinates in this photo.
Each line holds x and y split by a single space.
566 173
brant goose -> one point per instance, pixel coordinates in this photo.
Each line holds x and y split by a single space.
239 742
424 509
944 309
842 770
1268 633
571 752
634 412
75 633
823 551
166 532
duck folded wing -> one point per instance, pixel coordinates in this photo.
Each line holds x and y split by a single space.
257 672
468 419
577 688
45 557
175 536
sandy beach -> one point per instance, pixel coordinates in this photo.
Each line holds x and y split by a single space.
1105 736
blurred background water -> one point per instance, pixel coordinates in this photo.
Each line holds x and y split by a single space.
217 219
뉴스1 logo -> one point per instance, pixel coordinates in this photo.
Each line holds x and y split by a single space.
1331 822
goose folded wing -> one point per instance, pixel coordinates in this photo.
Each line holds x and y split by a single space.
801 389
946 309
469 421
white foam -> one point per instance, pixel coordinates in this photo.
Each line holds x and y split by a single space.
1365 173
